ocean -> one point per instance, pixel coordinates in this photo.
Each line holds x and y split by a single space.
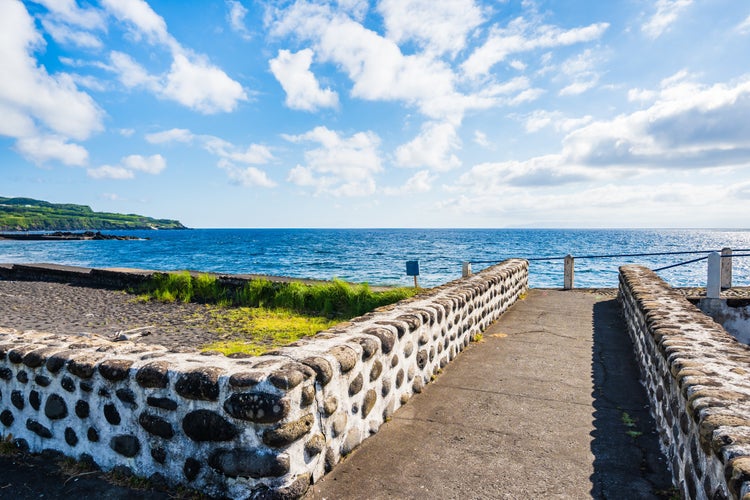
378 256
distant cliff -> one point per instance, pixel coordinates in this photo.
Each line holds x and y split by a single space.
26 214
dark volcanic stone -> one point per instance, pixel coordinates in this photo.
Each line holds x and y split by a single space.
22 376
323 370
295 490
156 425
70 436
308 396
36 358
290 376
246 379
42 380
205 425
57 361
68 384
127 396
377 369
346 356
288 433
356 385
38 429
258 407
83 367
93 435
125 445
387 337
369 345
82 409
111 414
35 400
201 384
191 468
115 369
55 407
154 374
159 455
6 373
249 462
370 398
16 397
422 357
7 418
163 403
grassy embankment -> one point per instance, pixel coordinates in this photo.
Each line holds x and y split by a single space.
264 315
26 214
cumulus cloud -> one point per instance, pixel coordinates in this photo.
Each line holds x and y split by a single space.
421 182
438 26
540 119
667 12
480 138
744 26
192 80
229 155
432 148
236 18
38 108
43 148
128 166
522 36
302 88
341 166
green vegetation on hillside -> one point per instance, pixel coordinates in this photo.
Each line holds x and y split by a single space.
26 214
263 315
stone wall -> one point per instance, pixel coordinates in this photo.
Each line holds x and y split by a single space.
698 380
735 318
262 427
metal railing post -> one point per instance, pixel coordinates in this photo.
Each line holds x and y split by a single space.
713 280
466 269
726 268
568 272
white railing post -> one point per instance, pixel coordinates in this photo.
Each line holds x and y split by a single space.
713 280
726 268
466 269
568 272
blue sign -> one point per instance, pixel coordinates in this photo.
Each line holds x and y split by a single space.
412 268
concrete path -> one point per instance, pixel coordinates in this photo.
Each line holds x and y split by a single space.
548 405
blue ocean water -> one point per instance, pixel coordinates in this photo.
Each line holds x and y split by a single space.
378 256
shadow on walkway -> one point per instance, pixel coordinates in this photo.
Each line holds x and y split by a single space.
628 462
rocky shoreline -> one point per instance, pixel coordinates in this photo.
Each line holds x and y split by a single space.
65 236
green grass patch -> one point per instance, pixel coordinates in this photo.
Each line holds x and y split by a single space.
262 315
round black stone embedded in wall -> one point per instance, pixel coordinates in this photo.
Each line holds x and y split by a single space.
42 380
22 376
82 409
16 397
191 469
38 428
35 400
6 373
7 418
205 425
86 386
156 425
68 384
111 414
163 403
93 435
70 436
55 407
159 455
127 396
125 445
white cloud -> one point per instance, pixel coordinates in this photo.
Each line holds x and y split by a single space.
421 182
744 26
522 36
667 12
151 165
110 172
517 65
67 11
41 149
540 119
66 35
438 26
339 166
172 135
247 177
481 139
302 88
581 69
192 80
255 154
432 148
236 18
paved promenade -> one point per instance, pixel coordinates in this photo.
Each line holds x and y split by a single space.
548 405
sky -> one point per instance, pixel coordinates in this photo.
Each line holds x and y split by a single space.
389 113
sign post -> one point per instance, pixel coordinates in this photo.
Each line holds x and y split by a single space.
412 269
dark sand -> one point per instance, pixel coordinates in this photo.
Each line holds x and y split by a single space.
75 310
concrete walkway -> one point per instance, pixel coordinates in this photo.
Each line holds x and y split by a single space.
548 405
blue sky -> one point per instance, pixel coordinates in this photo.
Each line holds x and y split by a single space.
392 113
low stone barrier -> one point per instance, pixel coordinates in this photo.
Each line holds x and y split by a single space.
264 427
697 378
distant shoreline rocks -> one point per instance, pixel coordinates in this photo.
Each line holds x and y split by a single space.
66 236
